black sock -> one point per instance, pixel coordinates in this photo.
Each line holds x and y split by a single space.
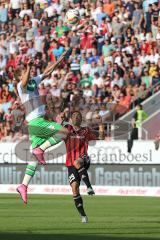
79 204
84 176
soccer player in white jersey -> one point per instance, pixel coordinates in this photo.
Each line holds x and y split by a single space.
41 131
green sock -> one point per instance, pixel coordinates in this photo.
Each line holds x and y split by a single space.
29 173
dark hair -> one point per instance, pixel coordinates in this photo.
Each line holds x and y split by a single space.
140 105
76 112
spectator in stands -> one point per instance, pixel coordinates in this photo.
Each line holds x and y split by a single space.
136 133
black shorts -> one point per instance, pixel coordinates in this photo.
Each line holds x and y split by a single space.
73 175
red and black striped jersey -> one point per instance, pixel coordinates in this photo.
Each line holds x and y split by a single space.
77 143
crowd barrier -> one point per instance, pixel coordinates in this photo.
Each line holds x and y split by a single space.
113 171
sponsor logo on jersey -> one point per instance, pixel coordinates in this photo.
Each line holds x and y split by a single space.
32 85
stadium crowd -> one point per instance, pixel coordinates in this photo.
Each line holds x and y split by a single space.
114 63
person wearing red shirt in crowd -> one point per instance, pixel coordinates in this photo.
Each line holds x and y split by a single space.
18 60
50 51
5 95
77 159
8 116
145 46
64 39
84 18
22 56
104 26
87 40
10 72
11 62
73 78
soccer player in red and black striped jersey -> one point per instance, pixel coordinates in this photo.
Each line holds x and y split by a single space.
77 160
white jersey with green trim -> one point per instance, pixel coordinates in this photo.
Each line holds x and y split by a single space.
31 99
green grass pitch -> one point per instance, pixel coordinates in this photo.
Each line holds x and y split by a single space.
49 217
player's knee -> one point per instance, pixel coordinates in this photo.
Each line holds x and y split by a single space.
75 192
75 188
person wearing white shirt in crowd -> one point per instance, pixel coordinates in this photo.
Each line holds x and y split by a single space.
94 11
25 11
129 48
117 81
154 29
55 91
80 9
104 112
118 58
49 9
143 58
94 69
3 62
158 34
87 92
97 80
35 22
85 67
15 6
3 45
58 6
154 56
13 45
31 50
30 32
149 37
39 40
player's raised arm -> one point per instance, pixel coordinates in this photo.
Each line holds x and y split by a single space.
26 75
96 135
50 68
81 28
101 132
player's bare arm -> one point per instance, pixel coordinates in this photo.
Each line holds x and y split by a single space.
26 75
51 67
81 27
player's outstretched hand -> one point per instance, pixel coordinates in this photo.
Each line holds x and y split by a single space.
62 57
51 67
64 54
30 62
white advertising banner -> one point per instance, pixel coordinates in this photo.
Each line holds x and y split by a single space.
99 190
100 152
